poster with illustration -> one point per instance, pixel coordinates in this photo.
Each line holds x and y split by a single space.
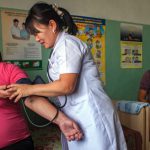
92 32
18 46
131 45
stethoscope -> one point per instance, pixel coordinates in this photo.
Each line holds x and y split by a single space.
53 80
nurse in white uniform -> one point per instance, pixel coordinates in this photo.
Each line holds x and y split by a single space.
75 75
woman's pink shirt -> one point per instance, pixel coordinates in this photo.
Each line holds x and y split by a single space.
13 126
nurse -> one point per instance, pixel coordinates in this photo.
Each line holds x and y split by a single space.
75 80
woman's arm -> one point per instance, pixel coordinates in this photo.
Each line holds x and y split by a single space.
44 108
48 111
64 86
142 96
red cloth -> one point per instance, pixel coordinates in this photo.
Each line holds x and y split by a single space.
13 126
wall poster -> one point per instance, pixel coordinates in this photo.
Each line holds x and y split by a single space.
92 31
131 45
18 46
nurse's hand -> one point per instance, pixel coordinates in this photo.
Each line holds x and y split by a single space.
69 127
18 91
3 92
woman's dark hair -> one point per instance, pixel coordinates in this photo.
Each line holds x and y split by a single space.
42 13
68 22
15 20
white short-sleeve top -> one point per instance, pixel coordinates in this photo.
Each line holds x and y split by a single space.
71 55
67 55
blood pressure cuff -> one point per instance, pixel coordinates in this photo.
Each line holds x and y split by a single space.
38 80
24 81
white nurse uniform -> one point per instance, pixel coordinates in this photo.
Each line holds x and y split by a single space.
89 105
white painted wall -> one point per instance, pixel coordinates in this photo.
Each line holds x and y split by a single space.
136 11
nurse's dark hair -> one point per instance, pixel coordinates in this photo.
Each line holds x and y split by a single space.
42 13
